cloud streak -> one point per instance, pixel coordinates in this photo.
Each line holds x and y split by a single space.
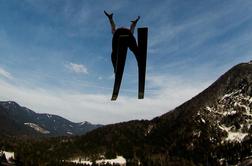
77 68
5 73
97 108
189 35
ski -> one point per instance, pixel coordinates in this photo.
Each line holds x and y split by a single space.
142 50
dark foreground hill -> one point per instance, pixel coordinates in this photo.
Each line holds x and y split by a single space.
213 128
16 120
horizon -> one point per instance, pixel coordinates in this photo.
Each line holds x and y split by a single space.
56 55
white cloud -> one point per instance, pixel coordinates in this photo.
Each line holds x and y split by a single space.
5 73
97 108
77 68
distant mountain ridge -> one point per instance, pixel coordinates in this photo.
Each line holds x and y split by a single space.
18 120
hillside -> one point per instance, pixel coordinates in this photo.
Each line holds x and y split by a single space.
203 129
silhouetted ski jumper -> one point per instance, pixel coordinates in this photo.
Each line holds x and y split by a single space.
131 43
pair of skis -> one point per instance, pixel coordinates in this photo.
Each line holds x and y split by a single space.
121 58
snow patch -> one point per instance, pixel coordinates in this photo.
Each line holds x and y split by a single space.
236 136
70 133
149 129
79 161
229 113
37 128
49 116
8 155
227 95
196 133
83 123
233 136
118 160
209 109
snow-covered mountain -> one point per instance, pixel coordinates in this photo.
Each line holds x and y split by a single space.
18 120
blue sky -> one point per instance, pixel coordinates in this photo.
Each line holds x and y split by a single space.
55 55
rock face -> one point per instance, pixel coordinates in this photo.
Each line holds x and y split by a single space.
232 111
17 120
215 123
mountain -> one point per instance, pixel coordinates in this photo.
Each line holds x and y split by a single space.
214 125
213 128
17 120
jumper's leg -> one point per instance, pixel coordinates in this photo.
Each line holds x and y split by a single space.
121 58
